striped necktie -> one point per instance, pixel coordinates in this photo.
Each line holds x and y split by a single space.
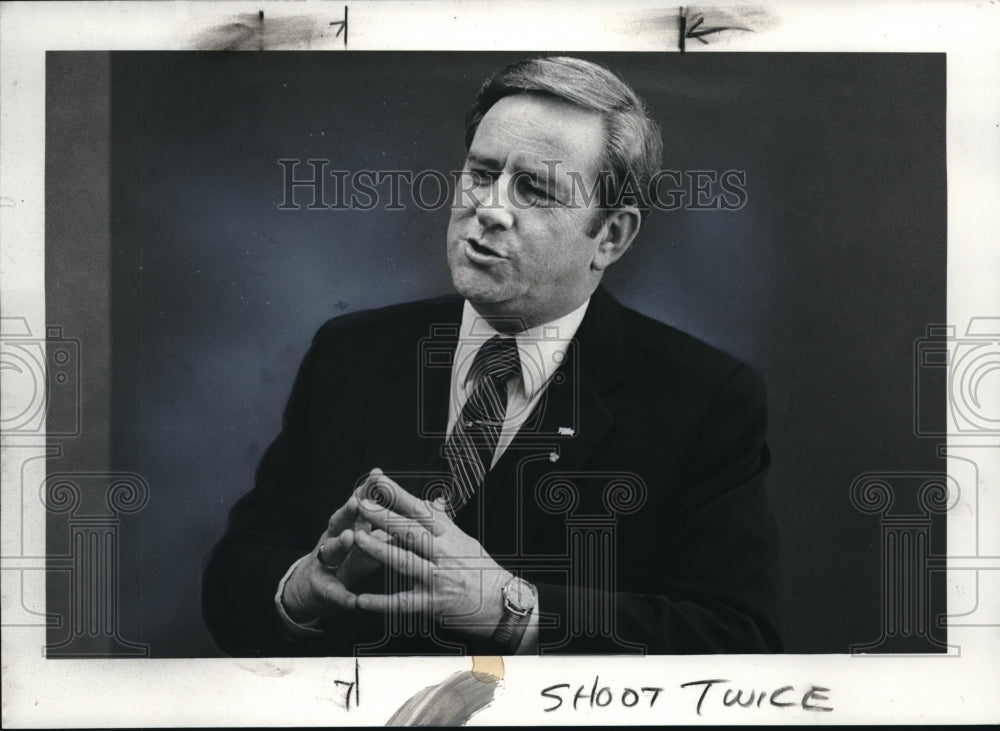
472 443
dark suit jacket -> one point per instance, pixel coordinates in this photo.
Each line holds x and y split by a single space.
634 497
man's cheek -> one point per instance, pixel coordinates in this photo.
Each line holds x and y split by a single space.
455 219
467 199
462 206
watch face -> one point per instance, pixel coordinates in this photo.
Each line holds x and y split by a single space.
520 595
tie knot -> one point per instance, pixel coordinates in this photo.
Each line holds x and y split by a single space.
497 358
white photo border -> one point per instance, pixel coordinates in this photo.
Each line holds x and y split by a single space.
303 692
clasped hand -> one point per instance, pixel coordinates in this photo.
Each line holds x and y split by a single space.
450 573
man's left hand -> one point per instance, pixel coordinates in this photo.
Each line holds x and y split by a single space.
453 576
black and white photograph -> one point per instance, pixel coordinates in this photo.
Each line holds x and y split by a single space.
646 373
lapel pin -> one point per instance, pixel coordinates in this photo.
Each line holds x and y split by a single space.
565 431
553 456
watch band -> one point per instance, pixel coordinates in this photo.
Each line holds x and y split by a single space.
510 631
519 599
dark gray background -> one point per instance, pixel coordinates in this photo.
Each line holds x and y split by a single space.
824 280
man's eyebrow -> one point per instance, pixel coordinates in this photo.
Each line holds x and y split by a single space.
539 173
486 162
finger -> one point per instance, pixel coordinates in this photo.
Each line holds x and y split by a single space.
385 491
334 592
441 517
346 542
368 486
343 517
399 559
380 535
331 551
311 594
406 531
404 602
362 524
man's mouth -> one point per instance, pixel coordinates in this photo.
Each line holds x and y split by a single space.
481 249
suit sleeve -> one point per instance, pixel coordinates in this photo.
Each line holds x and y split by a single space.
711 580
270 527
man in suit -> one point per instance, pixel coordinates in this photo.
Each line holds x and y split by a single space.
525 467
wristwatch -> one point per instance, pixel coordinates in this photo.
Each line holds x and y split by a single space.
519 600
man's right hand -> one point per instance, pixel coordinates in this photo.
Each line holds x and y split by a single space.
320 586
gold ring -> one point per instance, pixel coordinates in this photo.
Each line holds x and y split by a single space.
324 564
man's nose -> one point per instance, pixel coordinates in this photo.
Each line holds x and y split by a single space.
495 210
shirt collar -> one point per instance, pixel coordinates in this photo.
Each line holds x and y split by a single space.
541 348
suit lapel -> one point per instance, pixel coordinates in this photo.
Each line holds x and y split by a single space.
406 426
571 415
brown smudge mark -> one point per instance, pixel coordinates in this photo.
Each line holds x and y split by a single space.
487 668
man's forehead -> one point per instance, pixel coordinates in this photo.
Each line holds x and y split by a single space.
534 132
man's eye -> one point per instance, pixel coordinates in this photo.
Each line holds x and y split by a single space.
534 193
480 176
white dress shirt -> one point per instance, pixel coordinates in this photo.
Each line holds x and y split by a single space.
541 350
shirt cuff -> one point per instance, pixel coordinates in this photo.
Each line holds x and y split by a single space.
293 628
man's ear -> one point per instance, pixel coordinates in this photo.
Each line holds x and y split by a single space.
615 236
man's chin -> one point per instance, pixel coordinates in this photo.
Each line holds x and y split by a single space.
476 288
486 302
